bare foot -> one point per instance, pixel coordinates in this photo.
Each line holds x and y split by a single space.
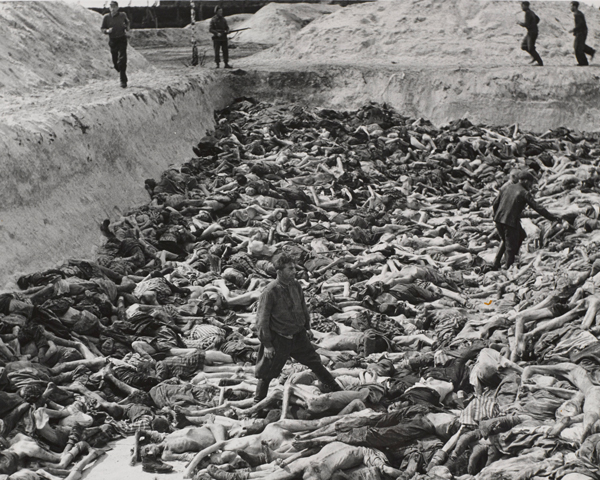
241 413
49 390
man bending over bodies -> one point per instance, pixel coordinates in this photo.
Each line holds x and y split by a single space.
508 207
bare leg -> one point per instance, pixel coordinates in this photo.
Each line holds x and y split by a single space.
181 351
64 413
122 386
41 293
556 323
68 366
83 390
537 314
441 456
7 352
46 475
355 405
143 348
135 452
200 456
77 470
271 398
214 410
212 357
67 457
15 345
227 369
88 355
593 304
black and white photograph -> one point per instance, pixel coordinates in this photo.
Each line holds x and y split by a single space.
299 240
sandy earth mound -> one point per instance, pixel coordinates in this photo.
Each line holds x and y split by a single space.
277 22
435 33
271 25
177 37
48 44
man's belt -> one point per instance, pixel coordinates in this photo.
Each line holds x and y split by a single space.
289 337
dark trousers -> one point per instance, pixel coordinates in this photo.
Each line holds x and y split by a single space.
221 45
581 49
512 238
300 349
528 44
118 50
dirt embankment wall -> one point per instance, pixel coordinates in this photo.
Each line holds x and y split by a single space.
67 169
535 98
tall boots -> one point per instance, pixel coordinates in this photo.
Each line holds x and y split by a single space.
262 388
327 379
333 387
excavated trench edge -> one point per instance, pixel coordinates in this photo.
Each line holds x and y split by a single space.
61 179
536 100
67 171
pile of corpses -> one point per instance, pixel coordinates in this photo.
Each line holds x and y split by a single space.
449 369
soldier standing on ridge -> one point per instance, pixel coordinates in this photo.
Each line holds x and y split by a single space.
580 31
531 24
116 25
220 29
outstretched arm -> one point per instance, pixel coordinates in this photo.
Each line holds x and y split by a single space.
541 210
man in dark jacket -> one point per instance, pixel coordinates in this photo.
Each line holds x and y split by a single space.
531 24
580 31
219 29
508 206
116 25
282 324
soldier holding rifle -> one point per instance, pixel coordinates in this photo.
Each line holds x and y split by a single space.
219 30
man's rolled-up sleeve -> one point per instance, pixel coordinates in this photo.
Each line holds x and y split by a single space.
305 310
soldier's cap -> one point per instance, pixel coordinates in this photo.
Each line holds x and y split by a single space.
575 4
526 4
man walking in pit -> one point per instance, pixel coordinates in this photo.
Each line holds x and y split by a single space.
580 31
283 323
531 24
508 207
116 25
219 29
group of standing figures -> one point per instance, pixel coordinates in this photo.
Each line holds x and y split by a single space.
116 25
580 32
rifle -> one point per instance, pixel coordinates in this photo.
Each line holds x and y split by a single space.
234 31
237 30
